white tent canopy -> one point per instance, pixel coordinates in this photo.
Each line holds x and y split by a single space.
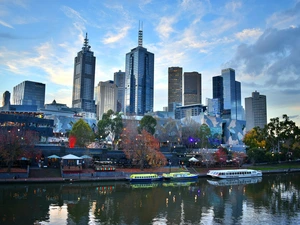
53 157
70 156
193 159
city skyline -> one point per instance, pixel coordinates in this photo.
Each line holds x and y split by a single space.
258 39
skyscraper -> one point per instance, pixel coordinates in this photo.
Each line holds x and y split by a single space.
232 94
174 87
256 111
139 80
84 79
218 97
192 90
29 93
119 79
106 95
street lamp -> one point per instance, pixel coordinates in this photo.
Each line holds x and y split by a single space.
170 163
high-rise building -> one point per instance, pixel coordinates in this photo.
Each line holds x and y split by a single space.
217 103
106 97
119 79
29 93
84 79
139 80
232 94
192 90
174 87
6 99
256 111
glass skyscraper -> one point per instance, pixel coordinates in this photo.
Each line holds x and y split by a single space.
174 87
29 93
192 90
84 79
119 79
139 80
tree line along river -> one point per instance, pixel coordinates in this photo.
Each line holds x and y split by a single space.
272 199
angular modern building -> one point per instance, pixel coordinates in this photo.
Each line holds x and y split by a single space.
84 79
106 97
29 93
174 88
192 90
139 80
119 79
232 94
256 111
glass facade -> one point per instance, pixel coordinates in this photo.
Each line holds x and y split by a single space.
29 93
119 79
139 81
84 79
192 90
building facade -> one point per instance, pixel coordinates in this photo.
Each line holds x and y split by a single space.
192 90
232 94
119 79
84 79
256 111
174 88
139 80
29 93
106 97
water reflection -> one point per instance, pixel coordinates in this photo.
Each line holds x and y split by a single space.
272 199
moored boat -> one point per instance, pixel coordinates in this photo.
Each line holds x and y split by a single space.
238 173
145 177
179 176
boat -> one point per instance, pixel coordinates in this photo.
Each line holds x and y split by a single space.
238 173
145 177
237 181
179 176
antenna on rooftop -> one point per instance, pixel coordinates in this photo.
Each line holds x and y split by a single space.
140 34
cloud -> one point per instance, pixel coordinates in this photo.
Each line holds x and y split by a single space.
248 34
112 38
285 19
5 24
233 6
73 14
165 28
275 55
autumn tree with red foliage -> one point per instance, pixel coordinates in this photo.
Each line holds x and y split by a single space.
221 156
16 143
142 149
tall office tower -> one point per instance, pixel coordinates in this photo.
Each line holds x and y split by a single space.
218 99
84 79
119 79
174 87
139 80
6 98
29 93
256 111
232 94
106 95
192 91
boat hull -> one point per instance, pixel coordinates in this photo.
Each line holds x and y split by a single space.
230 174
180 176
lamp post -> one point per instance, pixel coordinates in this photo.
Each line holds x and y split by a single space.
170 163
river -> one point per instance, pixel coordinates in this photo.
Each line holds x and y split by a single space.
274 199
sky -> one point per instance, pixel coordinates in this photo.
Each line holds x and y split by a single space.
259 39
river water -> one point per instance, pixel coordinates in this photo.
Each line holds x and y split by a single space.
274 199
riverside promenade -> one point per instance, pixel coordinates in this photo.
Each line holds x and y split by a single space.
43 177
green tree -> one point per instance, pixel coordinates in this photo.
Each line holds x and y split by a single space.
82 133
147 123
255 138
189 132
204 134
110 126
16 143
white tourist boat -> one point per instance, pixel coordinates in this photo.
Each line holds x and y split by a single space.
238 173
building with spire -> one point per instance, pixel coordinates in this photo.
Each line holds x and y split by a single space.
84 79
139 80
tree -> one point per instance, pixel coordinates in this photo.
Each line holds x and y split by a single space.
82 133
110 126
189 132
221 156
142 149
147 123
254 138
16 143
204 134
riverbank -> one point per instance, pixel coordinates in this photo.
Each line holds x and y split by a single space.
117 177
